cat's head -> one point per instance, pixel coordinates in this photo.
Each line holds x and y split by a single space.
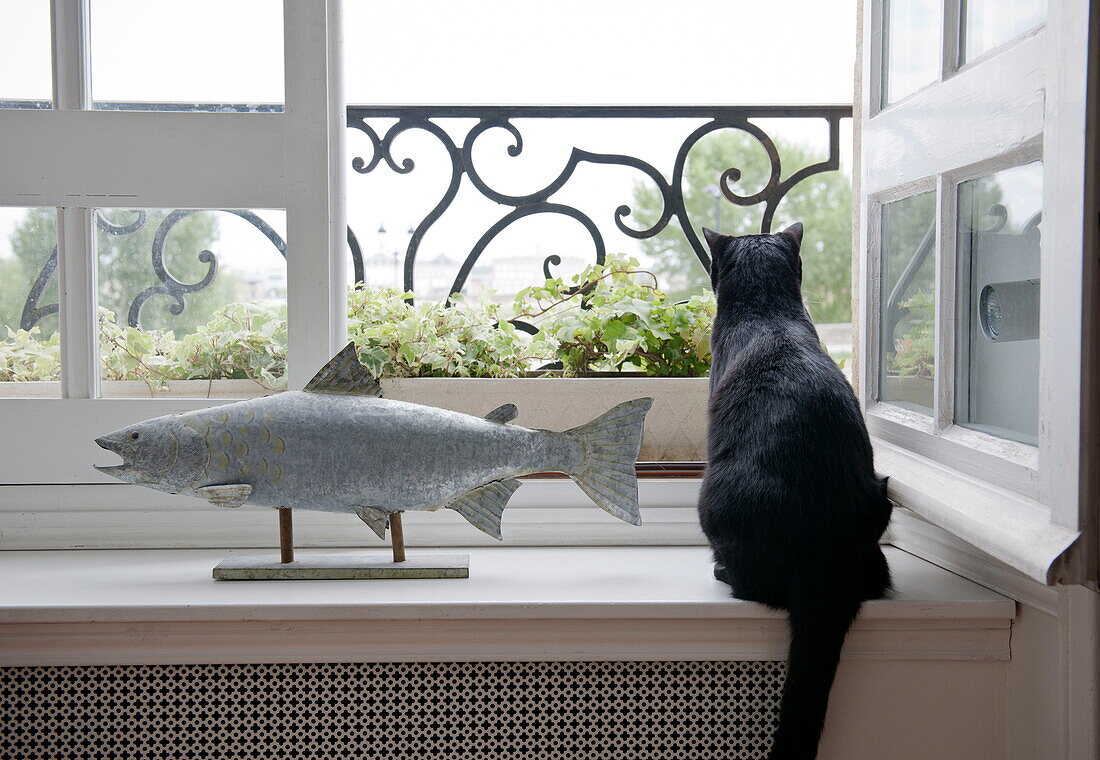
764 269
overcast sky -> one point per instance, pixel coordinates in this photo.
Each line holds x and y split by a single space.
491 51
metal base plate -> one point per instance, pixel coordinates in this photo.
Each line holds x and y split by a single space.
342 567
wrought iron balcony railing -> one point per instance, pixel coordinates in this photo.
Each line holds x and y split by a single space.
383 124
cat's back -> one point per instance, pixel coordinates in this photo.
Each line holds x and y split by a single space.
784 366
783 402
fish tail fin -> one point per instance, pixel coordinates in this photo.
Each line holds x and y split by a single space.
606 472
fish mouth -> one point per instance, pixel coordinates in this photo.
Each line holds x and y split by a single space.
114 470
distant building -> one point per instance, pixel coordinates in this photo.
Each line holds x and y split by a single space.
434 275
266 285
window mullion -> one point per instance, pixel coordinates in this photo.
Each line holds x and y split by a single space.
950 38
316 218
76 276
76 266
946 323
72 81
870 303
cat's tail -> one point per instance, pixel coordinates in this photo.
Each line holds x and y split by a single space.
610 444
818 626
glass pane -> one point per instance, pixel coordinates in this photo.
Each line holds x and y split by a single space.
987 24
189 295
26 74
194 55
910 46
30 349
908 345
998 265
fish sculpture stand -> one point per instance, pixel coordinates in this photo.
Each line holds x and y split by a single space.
337 446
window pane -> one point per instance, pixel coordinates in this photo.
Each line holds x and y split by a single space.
998 265
989 23
195 55
26 79
191 295
910 46
30 350
908 345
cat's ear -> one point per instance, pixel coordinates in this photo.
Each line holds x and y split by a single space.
794 234
714 239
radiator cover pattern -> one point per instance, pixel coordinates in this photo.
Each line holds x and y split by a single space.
393 711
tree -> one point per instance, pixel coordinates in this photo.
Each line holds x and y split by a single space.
32 243
125 269
823 203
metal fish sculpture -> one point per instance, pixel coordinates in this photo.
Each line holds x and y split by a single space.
338 447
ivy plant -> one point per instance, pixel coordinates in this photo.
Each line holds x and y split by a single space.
608 318
914 349
614 318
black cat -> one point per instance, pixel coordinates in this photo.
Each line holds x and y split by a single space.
790 501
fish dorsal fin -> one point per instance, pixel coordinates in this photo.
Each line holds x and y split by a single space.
483 506
345 376
376 520
503 414
232 495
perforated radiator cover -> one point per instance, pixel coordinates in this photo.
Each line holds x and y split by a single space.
393 711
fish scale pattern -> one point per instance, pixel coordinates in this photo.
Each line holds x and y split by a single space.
393 711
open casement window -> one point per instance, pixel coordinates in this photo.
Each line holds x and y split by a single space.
95 177
972 272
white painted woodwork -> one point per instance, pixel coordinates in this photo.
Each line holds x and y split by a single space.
997 512
1008 464
70 52
76 266
1022 102
76 282
1065 224
1079 645
1032 714
986 110
143 159
1009 527
518 604
314 185
919 537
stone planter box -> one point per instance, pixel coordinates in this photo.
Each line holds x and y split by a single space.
675 430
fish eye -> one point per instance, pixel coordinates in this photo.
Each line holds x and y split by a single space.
135 435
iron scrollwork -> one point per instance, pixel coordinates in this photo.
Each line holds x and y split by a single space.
170 286
408 118
540 202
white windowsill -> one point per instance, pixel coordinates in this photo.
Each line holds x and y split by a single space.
594 603
1007 526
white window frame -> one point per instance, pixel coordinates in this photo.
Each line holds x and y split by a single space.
1022 102
78 159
